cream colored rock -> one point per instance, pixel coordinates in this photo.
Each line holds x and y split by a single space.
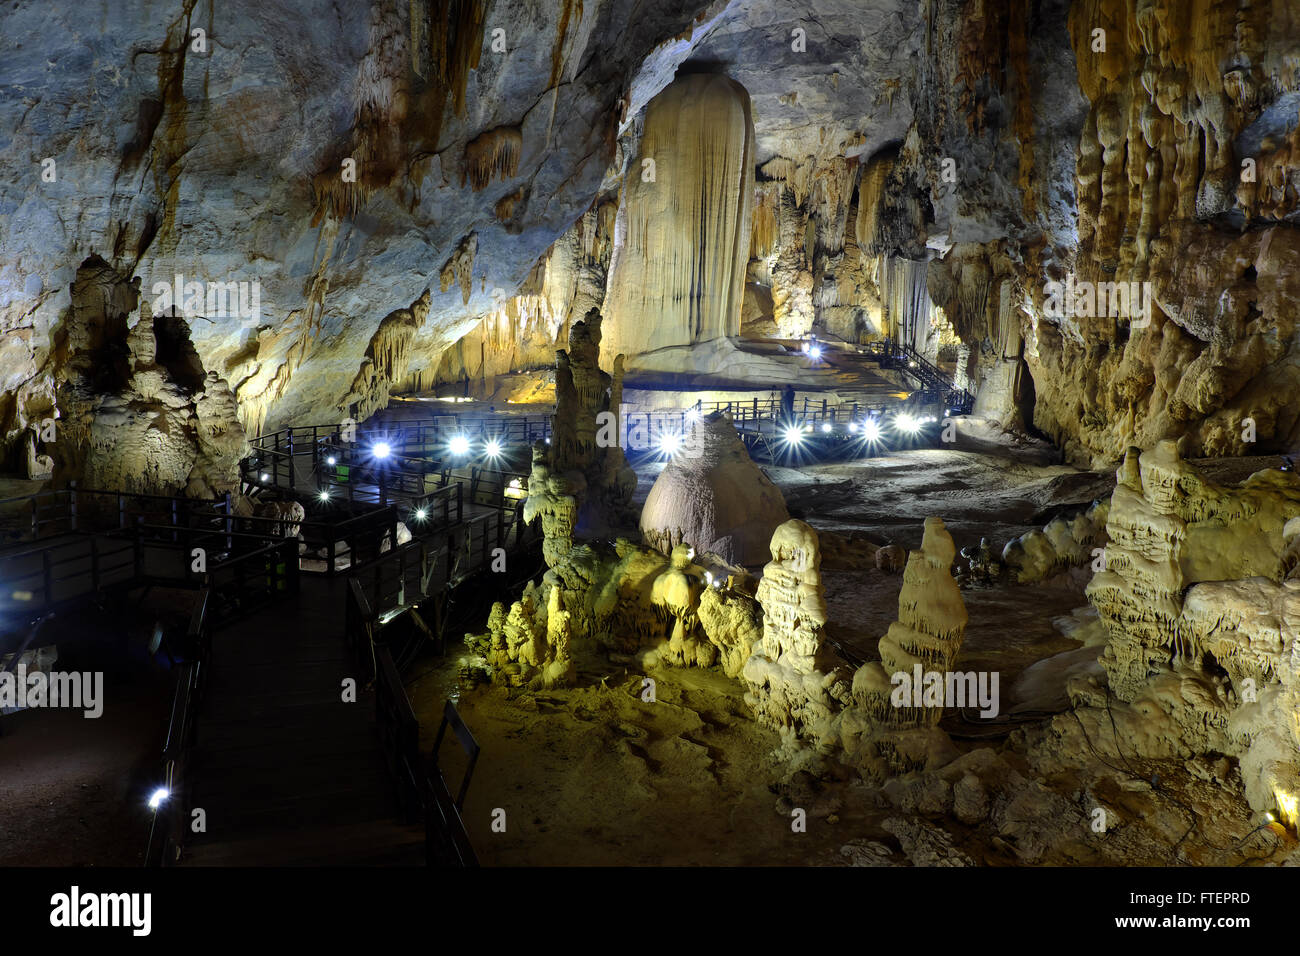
288 516
1201 656
682 235
714 498
789 673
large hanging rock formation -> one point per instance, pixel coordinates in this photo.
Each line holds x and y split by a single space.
683 230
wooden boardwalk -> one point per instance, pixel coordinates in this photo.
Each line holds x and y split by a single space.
286 772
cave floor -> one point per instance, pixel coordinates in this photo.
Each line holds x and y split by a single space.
595 775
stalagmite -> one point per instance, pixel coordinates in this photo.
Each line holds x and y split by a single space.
713 497
134 416
596 472
790 672
897 702
1201 624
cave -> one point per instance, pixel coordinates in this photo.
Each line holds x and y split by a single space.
853 433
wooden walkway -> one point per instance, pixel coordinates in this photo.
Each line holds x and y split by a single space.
286 772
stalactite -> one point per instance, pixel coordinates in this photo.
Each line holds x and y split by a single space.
766 231
459 269
505 207
386 359
794 175
457 46
492 155
678 269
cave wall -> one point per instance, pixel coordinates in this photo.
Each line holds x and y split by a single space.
1189 102
995 141
1107 141
227 164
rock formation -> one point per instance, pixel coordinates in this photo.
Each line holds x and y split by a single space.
714 498
1200 621
790 672
1063 543
581 481
682 236
528 645
137 409
927 635
676 592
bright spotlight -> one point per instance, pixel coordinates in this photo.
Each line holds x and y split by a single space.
871 430
459 445
826 427
815 352
419 514
793 434
853 427
265 477
493 448
331 461
158 798
670 444
324 495
905 422
381 449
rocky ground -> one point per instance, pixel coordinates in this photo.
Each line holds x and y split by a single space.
596 775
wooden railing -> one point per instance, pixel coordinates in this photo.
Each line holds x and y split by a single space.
74 509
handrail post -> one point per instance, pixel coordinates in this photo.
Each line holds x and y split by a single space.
289 446
72 504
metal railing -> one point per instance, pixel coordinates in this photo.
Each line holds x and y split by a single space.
936 386
438 561
421 789
167 834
